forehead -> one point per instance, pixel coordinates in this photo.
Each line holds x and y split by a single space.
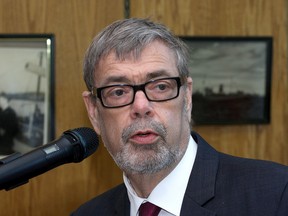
155 57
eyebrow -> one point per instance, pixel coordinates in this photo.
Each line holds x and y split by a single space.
156 74
116 79
124 79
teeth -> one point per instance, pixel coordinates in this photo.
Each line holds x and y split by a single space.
143 134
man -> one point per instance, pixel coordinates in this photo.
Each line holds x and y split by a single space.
8 126
140 102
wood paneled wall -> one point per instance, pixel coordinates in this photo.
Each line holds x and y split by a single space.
75 22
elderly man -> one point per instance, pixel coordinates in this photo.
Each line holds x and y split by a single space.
139 100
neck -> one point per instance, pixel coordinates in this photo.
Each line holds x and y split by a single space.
143 184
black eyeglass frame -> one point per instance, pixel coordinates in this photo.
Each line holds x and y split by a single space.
98 91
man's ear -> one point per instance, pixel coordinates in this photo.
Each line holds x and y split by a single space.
91 110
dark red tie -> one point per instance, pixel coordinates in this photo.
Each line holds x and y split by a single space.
149 209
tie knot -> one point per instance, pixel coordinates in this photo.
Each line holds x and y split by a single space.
149 209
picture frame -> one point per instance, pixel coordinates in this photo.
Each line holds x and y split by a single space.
26 91
231 79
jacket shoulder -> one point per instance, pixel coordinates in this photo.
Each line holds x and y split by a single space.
231 185
109 203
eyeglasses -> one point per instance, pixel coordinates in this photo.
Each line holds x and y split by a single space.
159 90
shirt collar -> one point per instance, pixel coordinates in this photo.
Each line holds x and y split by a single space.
164 195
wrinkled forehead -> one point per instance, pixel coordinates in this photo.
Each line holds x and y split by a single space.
134 52
155 49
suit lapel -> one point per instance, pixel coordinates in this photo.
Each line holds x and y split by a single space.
189 207
202 180
122 205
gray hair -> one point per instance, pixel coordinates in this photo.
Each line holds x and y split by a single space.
131 36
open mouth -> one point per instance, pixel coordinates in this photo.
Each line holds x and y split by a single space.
144 137
143 134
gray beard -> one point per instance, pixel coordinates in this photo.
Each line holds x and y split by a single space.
147 159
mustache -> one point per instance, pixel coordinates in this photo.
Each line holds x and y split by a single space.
159 128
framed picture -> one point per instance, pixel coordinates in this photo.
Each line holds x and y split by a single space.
26 92
231 79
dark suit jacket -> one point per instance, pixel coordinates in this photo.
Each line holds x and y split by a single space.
219 184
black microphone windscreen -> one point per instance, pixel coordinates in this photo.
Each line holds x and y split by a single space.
88 139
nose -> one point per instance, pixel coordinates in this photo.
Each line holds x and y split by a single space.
141 107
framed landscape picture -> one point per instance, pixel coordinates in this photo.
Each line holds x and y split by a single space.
231 79
26 91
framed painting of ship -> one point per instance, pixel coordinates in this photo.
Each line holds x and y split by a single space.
26 91
231 79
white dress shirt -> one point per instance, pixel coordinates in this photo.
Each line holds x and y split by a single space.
169 193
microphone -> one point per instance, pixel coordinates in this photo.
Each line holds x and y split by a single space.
73 146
